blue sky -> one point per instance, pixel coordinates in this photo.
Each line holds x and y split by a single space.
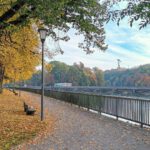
130 45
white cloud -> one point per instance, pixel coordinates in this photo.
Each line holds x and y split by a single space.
128 44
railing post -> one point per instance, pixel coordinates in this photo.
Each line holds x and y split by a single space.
78 101
100 104
88 102
70 99
117 108
141 109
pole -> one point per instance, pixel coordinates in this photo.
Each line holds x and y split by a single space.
119 61
42 82
20 87
19 90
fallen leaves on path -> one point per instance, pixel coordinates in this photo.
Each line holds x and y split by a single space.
15 125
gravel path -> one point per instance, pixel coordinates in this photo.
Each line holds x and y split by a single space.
78 129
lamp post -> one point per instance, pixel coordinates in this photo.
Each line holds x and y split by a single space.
20 84
43 33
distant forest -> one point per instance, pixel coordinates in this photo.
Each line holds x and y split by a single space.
79 75
139 76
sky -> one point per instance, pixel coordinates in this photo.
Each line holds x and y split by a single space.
130 45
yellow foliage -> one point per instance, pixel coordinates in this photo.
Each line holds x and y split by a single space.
48 67
21 55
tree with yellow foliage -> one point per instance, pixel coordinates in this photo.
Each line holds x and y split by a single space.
19 57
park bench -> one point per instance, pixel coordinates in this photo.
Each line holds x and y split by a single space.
15 92
12 90
29 109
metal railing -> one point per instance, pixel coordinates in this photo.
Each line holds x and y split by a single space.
133 109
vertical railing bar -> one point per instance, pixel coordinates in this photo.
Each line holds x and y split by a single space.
148 113
126 108
141 114
117 108
78 100
100 104
135 110
88 102
138 110
70 99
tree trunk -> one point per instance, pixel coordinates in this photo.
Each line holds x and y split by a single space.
2 70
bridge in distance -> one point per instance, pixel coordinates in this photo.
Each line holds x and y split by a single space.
120 91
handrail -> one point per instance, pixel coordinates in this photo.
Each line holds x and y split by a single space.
113 96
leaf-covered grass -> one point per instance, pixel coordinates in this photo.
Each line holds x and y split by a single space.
15 126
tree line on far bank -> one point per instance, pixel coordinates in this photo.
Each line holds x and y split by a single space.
79 75
134 77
